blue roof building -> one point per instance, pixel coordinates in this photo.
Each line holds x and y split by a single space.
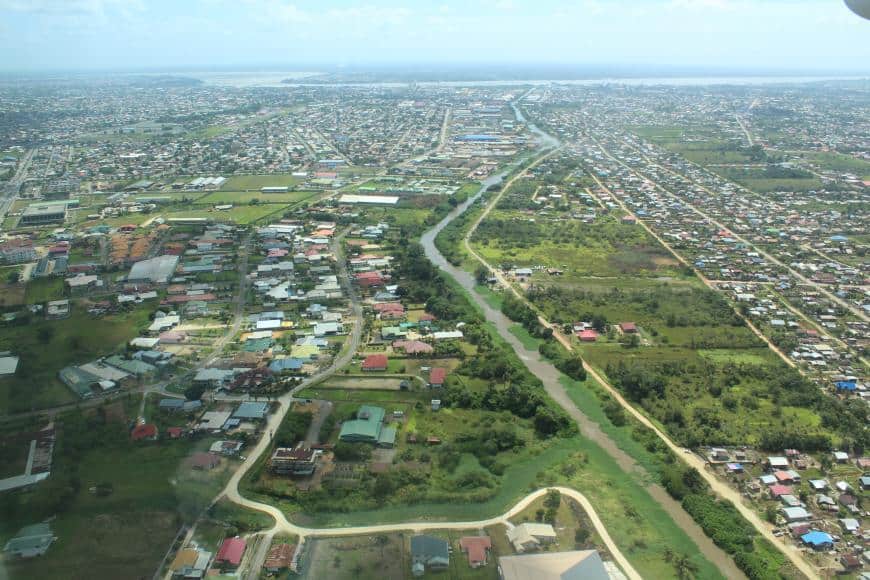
818 540
286 364
252 410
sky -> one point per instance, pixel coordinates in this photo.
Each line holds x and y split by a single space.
782 35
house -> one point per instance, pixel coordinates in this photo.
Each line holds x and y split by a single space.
819 484
841 457
777 463
228 448
577 564
252 411
850 525
795 514
280 365
588 335
213 420
437 376
818 540
850 562
375 363
230 553
530 536
779 490
190 563
280 557
299 461
30 541
428 553
204 461
628 327
476 549
144 432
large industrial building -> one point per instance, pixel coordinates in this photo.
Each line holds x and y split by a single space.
37 214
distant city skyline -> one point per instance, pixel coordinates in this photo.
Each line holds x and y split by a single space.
770 35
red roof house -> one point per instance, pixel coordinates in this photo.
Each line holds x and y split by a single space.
375 362
628 327
476 548
230 552
778 490
369 279
204 461
587 335
437 376
144 431
174 432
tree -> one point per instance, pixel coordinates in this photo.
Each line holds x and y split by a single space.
553 499
194 392
581 536
481 274
45 334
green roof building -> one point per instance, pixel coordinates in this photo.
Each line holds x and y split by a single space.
368 427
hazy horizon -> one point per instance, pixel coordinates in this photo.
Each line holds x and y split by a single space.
736 36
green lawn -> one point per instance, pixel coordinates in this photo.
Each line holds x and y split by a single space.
241 214
246 197
44 289
248 182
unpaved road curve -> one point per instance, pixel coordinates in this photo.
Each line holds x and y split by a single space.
282 525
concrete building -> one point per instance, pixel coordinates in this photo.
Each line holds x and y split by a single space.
37 214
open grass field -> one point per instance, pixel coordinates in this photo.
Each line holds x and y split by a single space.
240 214
246 197
381 557
699 144
41 290
838 162
46 346
255 182
340 382
765 181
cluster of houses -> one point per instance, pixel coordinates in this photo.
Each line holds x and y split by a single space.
193 561
820 511
780 259
532 561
